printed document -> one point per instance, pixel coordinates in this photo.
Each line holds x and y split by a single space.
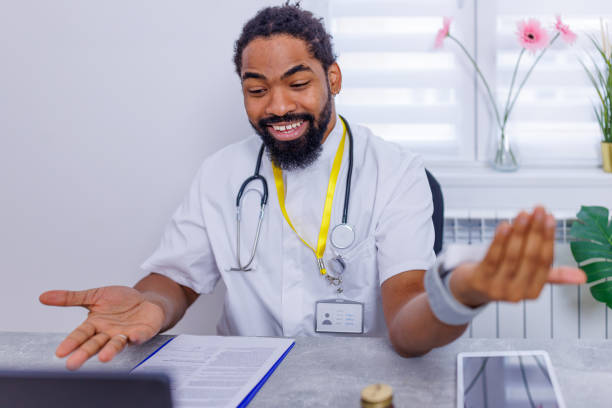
216 371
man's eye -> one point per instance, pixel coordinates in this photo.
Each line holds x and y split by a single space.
300 84
256 91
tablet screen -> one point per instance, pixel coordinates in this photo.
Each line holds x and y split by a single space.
507 380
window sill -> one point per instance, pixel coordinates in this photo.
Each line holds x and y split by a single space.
480 175
476 186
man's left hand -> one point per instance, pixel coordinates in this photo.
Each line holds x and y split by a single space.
517 264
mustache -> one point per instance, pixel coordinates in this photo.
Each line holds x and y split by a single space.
290 117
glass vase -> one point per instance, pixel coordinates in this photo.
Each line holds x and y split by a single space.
504 157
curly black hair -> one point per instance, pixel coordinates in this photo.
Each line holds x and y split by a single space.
292 20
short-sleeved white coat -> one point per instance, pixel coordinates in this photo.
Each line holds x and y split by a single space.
390 210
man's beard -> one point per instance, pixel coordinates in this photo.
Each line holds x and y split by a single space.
301 152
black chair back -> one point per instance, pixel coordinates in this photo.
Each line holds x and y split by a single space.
438 211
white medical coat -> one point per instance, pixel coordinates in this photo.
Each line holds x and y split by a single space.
390 210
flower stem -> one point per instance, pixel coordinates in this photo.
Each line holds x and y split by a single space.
518 61
507 115
493 102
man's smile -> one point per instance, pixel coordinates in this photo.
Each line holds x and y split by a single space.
285 131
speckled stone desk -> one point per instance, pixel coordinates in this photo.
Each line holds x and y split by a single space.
330 372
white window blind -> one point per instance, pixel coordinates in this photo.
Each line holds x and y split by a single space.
553 120
395 83
405 91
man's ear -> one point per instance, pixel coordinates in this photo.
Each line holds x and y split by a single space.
334 76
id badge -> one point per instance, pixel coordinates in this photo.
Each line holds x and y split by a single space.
338 316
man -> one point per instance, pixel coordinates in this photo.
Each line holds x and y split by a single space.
289 78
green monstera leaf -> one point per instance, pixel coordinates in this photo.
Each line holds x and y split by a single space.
593 249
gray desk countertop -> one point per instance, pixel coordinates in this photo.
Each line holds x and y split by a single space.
330 371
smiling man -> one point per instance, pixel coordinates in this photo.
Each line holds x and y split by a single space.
346 237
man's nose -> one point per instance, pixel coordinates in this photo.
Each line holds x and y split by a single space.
280 103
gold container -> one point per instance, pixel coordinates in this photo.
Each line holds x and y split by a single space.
606 155
377 396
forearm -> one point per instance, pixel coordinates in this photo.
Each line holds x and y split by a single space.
168 295
415 330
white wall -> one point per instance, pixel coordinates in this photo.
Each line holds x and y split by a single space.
106 110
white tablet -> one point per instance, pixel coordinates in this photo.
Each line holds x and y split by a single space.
504 379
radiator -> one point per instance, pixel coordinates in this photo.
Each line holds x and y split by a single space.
560 312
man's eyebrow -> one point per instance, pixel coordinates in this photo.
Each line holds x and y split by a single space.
255 75
290 71
297 68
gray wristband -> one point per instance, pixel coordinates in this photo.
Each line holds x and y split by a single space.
443 304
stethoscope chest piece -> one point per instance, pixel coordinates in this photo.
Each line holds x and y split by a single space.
342 236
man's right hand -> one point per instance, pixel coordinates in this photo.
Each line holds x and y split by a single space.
117 315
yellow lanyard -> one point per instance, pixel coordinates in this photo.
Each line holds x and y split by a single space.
331 187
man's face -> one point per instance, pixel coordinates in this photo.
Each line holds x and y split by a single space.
287 98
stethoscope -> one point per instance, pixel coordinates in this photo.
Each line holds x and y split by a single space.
342 235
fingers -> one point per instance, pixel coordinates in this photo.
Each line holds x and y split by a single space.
567 275
79 336
496 249
546 259
53 298
69 298
534 260
483 281
87 343
140 336
508 268
88 349
113 347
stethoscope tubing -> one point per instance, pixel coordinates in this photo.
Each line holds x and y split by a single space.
349 174
255 176
264 198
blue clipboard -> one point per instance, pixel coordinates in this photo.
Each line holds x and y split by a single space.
255 389
263 380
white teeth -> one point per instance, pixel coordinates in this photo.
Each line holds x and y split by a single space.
287 127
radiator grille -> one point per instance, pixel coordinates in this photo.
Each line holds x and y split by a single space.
466 227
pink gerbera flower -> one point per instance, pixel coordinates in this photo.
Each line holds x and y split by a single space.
443 32
566 34
531 35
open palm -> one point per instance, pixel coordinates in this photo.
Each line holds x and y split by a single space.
117 314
